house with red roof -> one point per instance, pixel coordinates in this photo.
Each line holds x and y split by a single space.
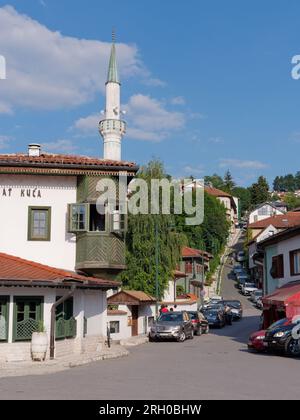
260 231
281 254
230 203
193 266
60 252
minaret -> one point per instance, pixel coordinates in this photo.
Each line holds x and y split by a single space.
112 128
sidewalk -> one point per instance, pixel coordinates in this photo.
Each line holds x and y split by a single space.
58 365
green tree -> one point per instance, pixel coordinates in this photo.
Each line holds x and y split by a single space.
228 181
215 180
244 195
260 191
140 273
292 201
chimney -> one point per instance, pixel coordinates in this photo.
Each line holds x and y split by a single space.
34 149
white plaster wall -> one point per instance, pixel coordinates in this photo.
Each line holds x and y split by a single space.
255 217
145 311
125 330
95 310
284 248
56 192
169 295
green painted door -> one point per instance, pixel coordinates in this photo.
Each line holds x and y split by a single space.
27 315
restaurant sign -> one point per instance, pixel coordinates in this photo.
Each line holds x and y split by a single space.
20 192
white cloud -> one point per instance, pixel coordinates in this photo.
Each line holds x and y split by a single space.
147 118
154 82
4 140
88 125
242 164
178 100
60 146
47 70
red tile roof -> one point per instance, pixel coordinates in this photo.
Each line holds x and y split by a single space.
60 159
116 312
192 252
17 270
216 192
280 221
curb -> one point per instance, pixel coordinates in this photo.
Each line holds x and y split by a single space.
97 359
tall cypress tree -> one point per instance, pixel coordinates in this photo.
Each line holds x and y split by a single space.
141 244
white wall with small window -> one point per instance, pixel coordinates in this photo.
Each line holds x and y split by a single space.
33 218
82 317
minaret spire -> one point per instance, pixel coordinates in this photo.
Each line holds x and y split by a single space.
112 75
112 128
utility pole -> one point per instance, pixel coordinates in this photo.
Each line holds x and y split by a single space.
156 267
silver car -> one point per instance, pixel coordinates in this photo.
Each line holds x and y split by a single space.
172 325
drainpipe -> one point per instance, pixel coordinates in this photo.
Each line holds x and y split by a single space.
52 325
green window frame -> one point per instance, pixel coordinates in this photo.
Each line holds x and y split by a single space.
118 221
39 223
4 316
78 217
28 313
82 218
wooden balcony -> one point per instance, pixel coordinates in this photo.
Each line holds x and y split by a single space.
100 253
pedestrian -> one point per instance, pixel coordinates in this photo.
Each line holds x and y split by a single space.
163 309
228 314
171 309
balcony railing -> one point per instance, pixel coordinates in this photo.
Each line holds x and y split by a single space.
99 251
112 125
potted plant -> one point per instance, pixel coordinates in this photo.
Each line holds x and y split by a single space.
39 343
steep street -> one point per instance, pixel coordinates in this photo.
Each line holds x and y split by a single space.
216 366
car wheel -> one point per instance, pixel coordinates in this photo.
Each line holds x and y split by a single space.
181 337
152 339
292 347
192 334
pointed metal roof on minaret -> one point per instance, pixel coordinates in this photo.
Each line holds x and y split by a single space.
112 75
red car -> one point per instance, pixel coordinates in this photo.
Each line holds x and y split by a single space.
256 341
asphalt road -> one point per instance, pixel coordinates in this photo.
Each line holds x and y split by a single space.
214 366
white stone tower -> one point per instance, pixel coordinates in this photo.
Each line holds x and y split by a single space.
112 128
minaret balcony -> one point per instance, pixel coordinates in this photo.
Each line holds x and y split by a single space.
112 127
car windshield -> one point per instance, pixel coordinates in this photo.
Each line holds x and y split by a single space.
233 303
278 323
193 315
211 312
171 317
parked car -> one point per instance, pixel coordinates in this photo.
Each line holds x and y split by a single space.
248 288
256 294
256 341
238 271
241 256
242 280
259 303
175 325
279 337
200 323
215 317
236 308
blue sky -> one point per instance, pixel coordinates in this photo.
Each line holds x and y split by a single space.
206 85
